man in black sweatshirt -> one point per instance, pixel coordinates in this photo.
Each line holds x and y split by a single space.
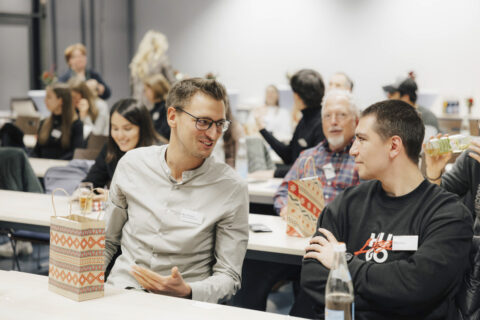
407 239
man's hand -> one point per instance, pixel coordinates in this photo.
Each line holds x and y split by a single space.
322 249
436 164
173 285
283 213
475 146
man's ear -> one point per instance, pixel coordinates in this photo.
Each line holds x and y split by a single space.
396 146
172 117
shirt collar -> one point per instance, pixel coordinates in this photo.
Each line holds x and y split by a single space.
186 175
346 149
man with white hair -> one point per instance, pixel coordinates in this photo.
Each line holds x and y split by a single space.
333 164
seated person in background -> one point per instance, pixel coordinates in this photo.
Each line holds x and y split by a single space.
94 116
333 163
130 128
62 132
180 217
415 276
335 168
463 179
340 81
406 90
156 88
308 90
274 119
76 57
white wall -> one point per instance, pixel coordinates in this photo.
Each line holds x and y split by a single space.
251 43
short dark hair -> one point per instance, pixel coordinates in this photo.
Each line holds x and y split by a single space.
183 91
309 86
398 118
138 115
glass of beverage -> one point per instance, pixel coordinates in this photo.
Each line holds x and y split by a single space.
85 196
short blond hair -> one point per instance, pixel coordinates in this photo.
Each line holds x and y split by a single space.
69 51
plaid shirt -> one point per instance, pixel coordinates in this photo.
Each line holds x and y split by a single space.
343 164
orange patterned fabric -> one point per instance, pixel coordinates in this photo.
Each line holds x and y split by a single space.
305 203
77 246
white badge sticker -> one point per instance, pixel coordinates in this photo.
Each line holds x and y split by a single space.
56 133
329 171
155 116
191 216
405 243
302 143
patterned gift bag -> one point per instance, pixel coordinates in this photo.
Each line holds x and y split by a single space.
77 246
305 203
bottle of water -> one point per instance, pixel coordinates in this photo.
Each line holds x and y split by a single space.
241 159
339 289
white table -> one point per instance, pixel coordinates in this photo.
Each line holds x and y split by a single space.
263 191
32 211
40 166
26 296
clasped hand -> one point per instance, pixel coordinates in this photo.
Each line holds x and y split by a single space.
322 248
172 285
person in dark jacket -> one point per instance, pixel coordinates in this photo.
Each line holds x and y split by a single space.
76 57
62 132
308 90
408 240
156 88
130 128
463 179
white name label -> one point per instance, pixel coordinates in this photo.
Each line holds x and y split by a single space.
329 171
191 216
56 133
405 243
155 116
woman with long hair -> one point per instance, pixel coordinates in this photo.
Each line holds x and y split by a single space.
62 132
94 115
130 127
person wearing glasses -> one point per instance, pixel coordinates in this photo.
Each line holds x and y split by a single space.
179 216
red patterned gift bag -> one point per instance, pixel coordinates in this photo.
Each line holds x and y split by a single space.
305 203
77 246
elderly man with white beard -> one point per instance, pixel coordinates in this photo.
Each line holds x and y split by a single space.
334 166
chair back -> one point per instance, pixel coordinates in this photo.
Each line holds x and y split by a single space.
96 141
88 154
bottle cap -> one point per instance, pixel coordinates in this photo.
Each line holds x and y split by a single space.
340 247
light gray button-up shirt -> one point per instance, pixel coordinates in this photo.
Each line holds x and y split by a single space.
199 224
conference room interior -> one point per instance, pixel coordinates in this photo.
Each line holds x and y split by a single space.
247 45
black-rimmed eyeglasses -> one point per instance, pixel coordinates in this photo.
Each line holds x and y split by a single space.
204 124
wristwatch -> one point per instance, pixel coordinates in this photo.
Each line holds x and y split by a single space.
348 256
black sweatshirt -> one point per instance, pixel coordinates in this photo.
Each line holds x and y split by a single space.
101 173
159 118
397 284
308 133
53 149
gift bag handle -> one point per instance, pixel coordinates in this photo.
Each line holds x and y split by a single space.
309 159
53 202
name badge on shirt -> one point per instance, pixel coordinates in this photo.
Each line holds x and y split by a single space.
329 171
405 243
302 143
56 133
191 216
155 116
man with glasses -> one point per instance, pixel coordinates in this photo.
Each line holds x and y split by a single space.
179 217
